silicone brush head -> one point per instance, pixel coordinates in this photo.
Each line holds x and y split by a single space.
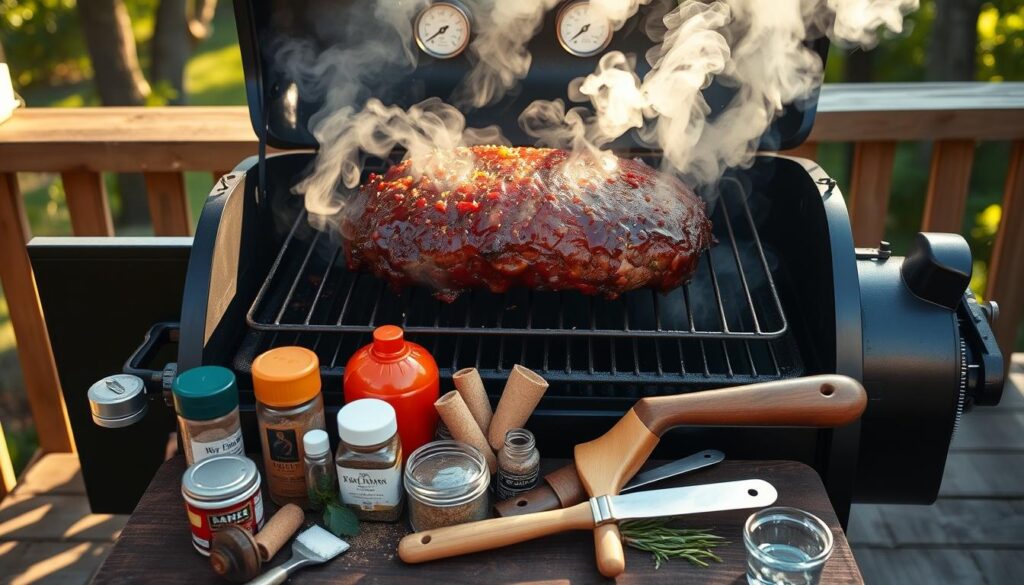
318 545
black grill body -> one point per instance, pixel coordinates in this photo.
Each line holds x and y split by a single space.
783 294
260 277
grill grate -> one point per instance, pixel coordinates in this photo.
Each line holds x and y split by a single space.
732 296
725 327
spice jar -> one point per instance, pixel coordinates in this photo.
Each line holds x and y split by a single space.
401 373
206 400
369 460
321 478
518 464
447 483
220 491
286 381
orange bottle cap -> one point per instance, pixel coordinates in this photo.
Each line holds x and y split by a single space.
286 376
388 340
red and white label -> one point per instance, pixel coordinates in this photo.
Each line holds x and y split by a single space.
204 522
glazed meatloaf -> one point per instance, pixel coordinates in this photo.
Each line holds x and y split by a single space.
496 217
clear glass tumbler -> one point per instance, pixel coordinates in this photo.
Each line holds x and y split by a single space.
785 546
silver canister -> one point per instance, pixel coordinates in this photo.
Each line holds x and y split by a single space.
220 491
118 401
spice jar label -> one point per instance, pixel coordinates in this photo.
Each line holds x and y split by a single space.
371 489
511 484
205 521
283 445
229 445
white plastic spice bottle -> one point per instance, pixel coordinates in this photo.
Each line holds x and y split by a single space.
369 460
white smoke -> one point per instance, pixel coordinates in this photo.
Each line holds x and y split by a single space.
347 135
752 46
499 54
756 48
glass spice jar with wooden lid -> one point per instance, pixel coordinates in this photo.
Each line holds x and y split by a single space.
286 381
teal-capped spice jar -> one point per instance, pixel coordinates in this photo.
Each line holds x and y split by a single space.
206 400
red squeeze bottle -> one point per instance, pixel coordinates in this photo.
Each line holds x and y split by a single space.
402 374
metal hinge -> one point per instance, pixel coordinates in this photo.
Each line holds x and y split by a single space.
882 252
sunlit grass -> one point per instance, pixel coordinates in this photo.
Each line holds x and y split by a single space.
216 78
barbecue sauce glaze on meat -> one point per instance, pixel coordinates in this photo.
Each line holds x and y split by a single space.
496 217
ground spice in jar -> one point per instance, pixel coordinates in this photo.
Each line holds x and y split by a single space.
518 464
206 402
369 460
447 483
286 382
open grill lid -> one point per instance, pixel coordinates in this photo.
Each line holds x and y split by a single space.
282 99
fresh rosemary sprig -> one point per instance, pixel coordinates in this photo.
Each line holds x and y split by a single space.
665 542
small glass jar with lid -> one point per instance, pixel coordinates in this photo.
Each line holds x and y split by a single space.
206 401
321 474
447 483
286 382
369 460
518 464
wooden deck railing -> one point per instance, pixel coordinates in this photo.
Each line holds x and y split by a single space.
161 143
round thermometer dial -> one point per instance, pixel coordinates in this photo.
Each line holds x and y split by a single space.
581 31
442 30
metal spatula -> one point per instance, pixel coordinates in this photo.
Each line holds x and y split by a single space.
311 547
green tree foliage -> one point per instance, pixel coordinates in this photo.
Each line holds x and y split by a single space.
1001 41
42 41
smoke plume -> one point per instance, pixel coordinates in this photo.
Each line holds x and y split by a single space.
755 48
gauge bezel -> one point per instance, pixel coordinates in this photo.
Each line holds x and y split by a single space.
565 45
423 47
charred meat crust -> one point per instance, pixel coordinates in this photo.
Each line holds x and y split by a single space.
496 217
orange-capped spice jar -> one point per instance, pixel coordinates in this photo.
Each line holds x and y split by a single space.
286 381
402 374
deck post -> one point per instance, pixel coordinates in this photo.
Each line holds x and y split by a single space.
38 368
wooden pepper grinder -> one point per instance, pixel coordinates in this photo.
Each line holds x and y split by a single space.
237 555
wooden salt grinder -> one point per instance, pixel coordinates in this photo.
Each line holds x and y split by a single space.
237 555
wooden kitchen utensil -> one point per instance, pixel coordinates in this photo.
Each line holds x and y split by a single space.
463 539
605 464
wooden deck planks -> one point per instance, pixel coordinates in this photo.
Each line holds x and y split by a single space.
47 533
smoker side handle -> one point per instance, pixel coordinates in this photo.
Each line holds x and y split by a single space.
158 335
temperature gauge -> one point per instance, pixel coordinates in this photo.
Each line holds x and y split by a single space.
581 31
442 30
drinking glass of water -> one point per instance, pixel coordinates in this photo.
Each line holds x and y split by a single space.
785 546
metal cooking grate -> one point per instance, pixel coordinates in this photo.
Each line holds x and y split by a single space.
725 327
732 296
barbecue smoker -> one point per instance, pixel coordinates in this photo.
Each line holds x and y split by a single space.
783 294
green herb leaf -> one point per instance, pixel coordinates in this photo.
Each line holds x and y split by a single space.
340 521
665 542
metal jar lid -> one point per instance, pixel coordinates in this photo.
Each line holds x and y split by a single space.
118 401
220 479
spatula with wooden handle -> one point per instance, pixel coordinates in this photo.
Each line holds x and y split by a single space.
605 464
473 537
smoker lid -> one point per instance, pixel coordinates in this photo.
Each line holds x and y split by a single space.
284 101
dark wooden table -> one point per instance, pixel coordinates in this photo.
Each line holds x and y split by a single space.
155 545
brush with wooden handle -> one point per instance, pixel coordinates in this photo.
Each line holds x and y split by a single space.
473 537
605 464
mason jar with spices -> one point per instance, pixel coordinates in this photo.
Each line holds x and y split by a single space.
286 381
369 460
206 401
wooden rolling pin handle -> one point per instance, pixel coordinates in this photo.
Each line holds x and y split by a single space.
611 559
812 401
452 541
